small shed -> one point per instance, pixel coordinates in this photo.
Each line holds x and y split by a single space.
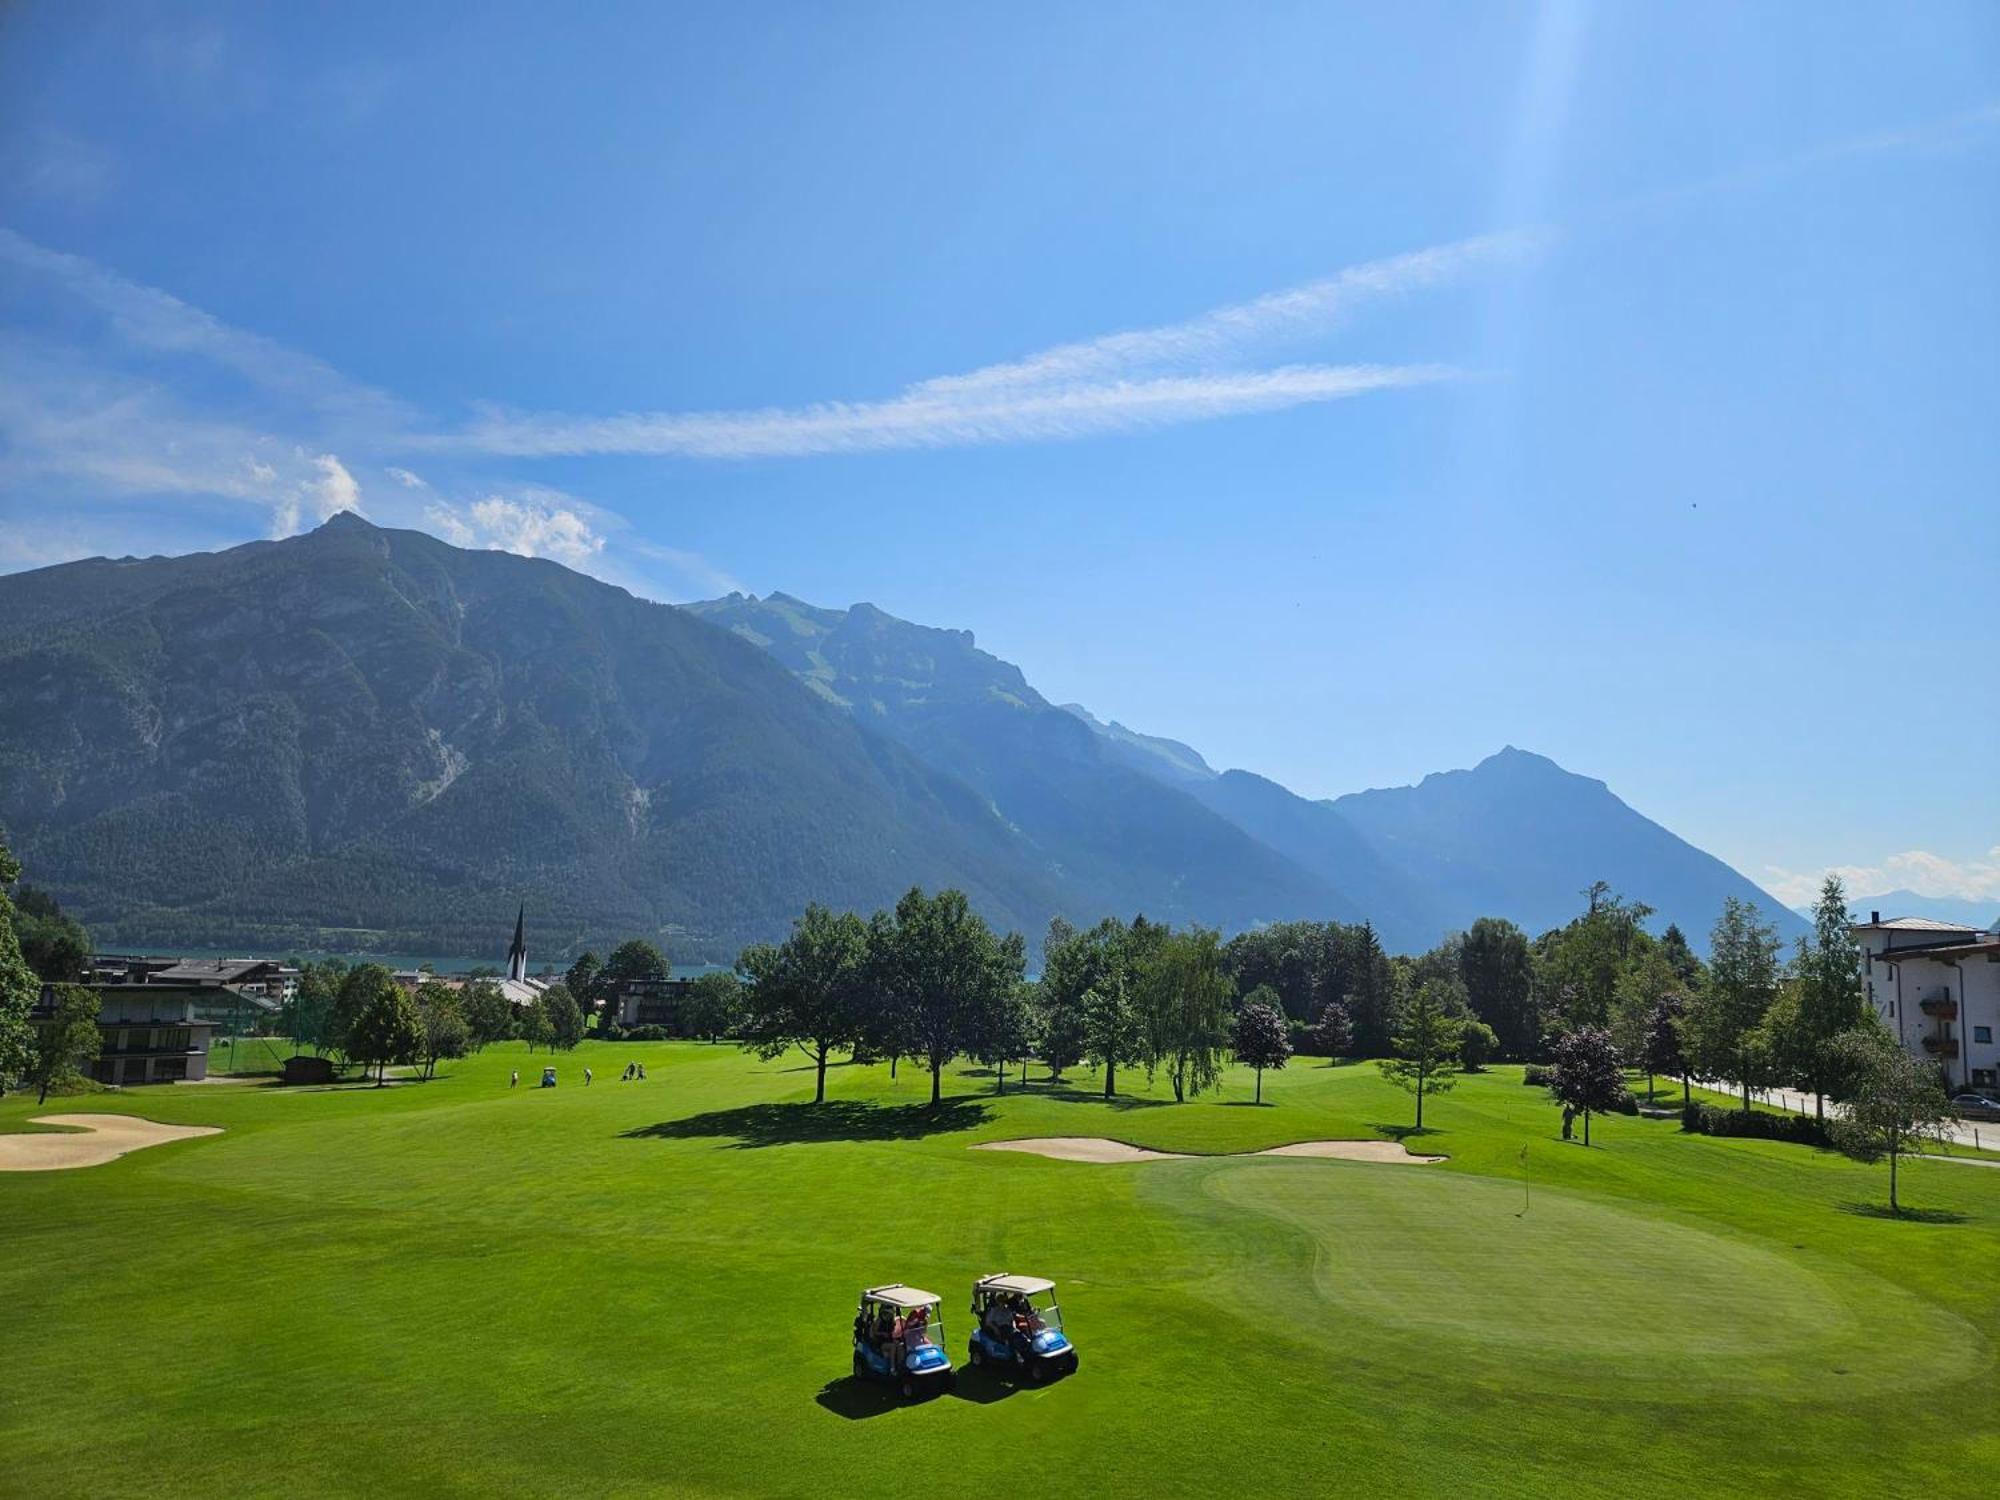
303 1069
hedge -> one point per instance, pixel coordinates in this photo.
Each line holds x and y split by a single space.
1707 1119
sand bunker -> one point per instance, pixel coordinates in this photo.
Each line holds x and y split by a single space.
1095 1148
109 1137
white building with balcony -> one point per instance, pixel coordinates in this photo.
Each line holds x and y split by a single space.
1936 986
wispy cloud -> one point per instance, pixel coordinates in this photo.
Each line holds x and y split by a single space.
1915 870
921 419
533 523
1198 369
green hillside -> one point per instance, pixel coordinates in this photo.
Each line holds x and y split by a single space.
362 737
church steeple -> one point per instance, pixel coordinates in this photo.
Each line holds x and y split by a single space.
517 956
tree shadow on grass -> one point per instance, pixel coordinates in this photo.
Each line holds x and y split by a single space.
1246 1104
835 1120
1905 1215
857 1398
1096 1096
1403 1132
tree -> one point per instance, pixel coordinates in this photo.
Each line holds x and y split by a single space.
387 1029
357 990
1661 1051
805 991
1719 1030
66 1041
1647 977
1477 1045
1687 964
1005 1033
1085 997
1262 1038
1332 1033
566 1018
18 989
714 1004
489 1015
1497 969
441 1018
1427 1042
53 945
1183 1002
1580 964
581 977
632 963
308 1015
1830 999
1584 1073
935 964
535 1027
1897 1102
1370 993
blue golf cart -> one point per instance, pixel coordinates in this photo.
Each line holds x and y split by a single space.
899 1338
1017 1328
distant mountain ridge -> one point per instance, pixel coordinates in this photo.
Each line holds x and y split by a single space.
367 738
1515 836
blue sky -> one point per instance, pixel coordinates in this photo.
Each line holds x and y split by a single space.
1348 391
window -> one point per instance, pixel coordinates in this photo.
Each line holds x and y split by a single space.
1982 1033
170 1067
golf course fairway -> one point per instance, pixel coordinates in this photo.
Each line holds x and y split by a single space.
460 1287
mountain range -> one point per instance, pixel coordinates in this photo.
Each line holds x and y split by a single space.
363 737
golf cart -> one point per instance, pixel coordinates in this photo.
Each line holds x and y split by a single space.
548 1078
886 1349
1017 1328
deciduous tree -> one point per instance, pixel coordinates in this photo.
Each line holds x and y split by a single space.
18 989
714 1004
1897 1102
1262 1039
1497 969
806 991
1332 1033
935 963
566 1018
1721 1022
65 1042
1584 1073
489 1015
441 1017
386 1029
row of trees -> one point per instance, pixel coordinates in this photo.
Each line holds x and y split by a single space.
362 1015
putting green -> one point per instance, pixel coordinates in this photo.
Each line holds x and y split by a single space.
1552 1294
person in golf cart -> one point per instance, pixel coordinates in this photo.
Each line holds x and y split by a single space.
896 1338
1018 1326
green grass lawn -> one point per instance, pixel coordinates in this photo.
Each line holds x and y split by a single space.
458 1288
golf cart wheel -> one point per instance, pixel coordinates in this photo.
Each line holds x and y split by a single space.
1038 1371
908 1388
975 1355
860 1365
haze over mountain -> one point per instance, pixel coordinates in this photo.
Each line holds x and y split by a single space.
370 738
1516 836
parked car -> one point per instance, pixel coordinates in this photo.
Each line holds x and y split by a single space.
1969 1100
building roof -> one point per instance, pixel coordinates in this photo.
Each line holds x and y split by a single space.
212 970
898 1295
521 991
1987 943
1027 1286
1911 924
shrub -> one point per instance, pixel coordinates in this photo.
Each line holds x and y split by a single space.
1626 1103
1536 1075
646 1034
1707 1119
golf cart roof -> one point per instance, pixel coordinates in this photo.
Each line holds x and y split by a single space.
902 1296
1027 1286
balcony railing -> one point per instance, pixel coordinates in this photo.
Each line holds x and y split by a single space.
1941 1046
1940 1007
